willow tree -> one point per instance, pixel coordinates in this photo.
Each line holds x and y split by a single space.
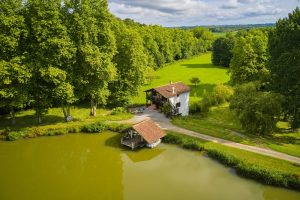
13 73
51 54
90 24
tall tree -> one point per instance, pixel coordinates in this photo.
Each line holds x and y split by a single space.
91 27
51 54
284 47
14 75
250 57
131 63
222 50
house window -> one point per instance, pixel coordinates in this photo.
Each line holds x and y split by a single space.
177 105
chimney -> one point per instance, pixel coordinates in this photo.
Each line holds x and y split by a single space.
173 90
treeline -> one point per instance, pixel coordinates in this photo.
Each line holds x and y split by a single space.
56 53
264 67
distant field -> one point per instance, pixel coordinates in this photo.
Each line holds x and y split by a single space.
221 34
199 66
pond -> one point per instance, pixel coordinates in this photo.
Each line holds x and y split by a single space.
93 167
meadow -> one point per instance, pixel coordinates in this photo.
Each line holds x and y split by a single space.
198 66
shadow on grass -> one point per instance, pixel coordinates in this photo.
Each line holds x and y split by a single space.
201 90
203 66
28 121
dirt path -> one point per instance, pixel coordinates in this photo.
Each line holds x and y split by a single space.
165 123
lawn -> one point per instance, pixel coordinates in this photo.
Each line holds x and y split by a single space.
222 123
199 66
54 123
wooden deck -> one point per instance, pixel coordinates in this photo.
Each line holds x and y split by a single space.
132 143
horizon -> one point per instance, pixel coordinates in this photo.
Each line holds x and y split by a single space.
175 13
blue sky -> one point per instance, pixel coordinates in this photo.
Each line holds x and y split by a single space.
202 12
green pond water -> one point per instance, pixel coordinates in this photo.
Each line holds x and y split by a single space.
92 167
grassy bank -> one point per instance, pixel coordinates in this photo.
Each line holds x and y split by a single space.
265 169
199 66
222 123
54 124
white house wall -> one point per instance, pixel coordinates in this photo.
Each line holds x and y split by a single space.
184 103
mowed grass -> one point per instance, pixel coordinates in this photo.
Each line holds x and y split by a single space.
199 66
262 168
223 123
55 118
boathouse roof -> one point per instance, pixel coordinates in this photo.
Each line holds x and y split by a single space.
149 131
172 89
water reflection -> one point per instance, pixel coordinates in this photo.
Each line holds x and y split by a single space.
96 167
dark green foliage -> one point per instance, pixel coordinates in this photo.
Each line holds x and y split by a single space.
222 50
221 94
118 110
97 127
257 111
284 45
250 57
167 109
195 81
131 63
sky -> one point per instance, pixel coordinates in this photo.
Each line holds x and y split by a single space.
172 13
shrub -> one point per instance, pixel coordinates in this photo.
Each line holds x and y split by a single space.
172 139
192 144
118 110
12 136
257 111
195 108
120 128
167 109
97 127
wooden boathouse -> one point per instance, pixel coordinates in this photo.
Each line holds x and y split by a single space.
145 133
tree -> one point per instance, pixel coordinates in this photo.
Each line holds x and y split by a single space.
131 63
257 111
14 75
285 64
204 36
195 80
250 57
222 50
90 25
51 55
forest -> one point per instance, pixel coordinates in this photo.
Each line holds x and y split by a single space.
57 53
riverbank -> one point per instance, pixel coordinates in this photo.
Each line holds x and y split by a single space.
54 124
270 171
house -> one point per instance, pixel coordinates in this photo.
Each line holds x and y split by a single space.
176 94
145 133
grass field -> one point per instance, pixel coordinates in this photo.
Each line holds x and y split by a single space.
199 66
222 123
218 35
262 168
54 123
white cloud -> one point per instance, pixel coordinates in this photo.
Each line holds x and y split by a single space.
202 12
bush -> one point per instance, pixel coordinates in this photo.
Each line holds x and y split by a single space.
118 110
97 127
221 94
120 128
167 109
12 136
192 144
261 173
257 111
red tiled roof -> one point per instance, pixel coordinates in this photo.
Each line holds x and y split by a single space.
149 131
167 90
